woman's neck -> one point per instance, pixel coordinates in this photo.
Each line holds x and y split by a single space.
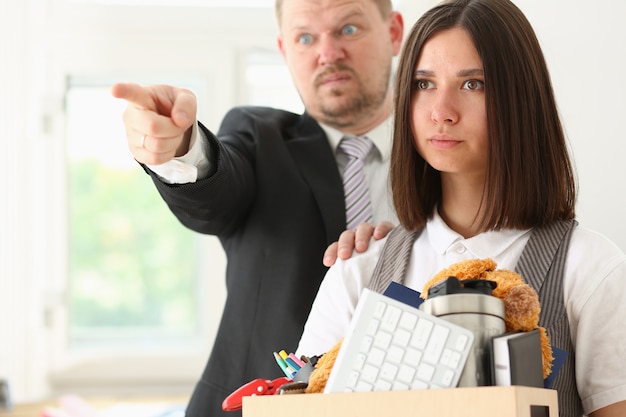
461 204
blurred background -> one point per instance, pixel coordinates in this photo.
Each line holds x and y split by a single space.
102 291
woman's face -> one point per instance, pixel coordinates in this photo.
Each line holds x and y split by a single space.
449 120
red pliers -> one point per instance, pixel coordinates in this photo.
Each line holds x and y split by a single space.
256 387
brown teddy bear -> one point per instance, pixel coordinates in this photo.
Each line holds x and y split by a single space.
521 311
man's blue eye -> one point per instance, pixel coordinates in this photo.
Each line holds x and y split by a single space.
305 39
349 30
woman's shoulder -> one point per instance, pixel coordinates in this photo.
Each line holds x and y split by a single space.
592 250
368 257
587 239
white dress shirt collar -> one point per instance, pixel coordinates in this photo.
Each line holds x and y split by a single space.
485 245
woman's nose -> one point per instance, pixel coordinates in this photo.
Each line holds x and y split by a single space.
444 110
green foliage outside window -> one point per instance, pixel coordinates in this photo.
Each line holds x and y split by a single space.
132 264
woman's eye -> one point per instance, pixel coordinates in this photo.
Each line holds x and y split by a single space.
305 39
424 84
474 85
349 30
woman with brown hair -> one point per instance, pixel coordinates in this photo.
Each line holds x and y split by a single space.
480 169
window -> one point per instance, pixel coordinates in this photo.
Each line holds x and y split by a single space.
134 271
268 82
144 293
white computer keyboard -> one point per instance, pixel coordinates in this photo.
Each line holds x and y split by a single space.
392 346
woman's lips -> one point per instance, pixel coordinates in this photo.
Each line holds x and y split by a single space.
444 142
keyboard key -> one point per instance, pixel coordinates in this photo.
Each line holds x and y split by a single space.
412 357
408 321
417 384
402 337
395 354
445 357
379 310
425 372
388 371
391 318
372 327
446 378
422 333
461 342
383 340
455 360
436 344
399 386
376 357
369 374
406 374
363 387
382 385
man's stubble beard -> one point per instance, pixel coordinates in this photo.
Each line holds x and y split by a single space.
361 106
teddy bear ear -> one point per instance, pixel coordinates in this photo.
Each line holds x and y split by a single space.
522 308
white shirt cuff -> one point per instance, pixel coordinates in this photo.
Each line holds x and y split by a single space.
189 167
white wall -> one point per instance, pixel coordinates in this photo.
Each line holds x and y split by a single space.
42 39
24 208
585 45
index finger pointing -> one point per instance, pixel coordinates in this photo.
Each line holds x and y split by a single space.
135 94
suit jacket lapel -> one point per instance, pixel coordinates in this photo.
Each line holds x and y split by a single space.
315 158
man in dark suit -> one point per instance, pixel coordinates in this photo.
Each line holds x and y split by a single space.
269 183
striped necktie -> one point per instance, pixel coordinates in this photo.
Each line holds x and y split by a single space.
358 208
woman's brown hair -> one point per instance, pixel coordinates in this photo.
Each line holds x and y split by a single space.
530 179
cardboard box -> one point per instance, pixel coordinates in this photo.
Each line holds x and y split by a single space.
514 401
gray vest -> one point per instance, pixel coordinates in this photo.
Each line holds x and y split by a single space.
541 265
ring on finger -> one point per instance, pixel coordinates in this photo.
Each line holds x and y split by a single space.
142 141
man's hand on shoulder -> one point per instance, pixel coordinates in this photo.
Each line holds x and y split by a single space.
359 240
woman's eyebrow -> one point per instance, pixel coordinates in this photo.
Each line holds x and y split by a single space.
471 72
462 73
423 73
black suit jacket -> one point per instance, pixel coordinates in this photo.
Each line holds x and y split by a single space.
275 202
